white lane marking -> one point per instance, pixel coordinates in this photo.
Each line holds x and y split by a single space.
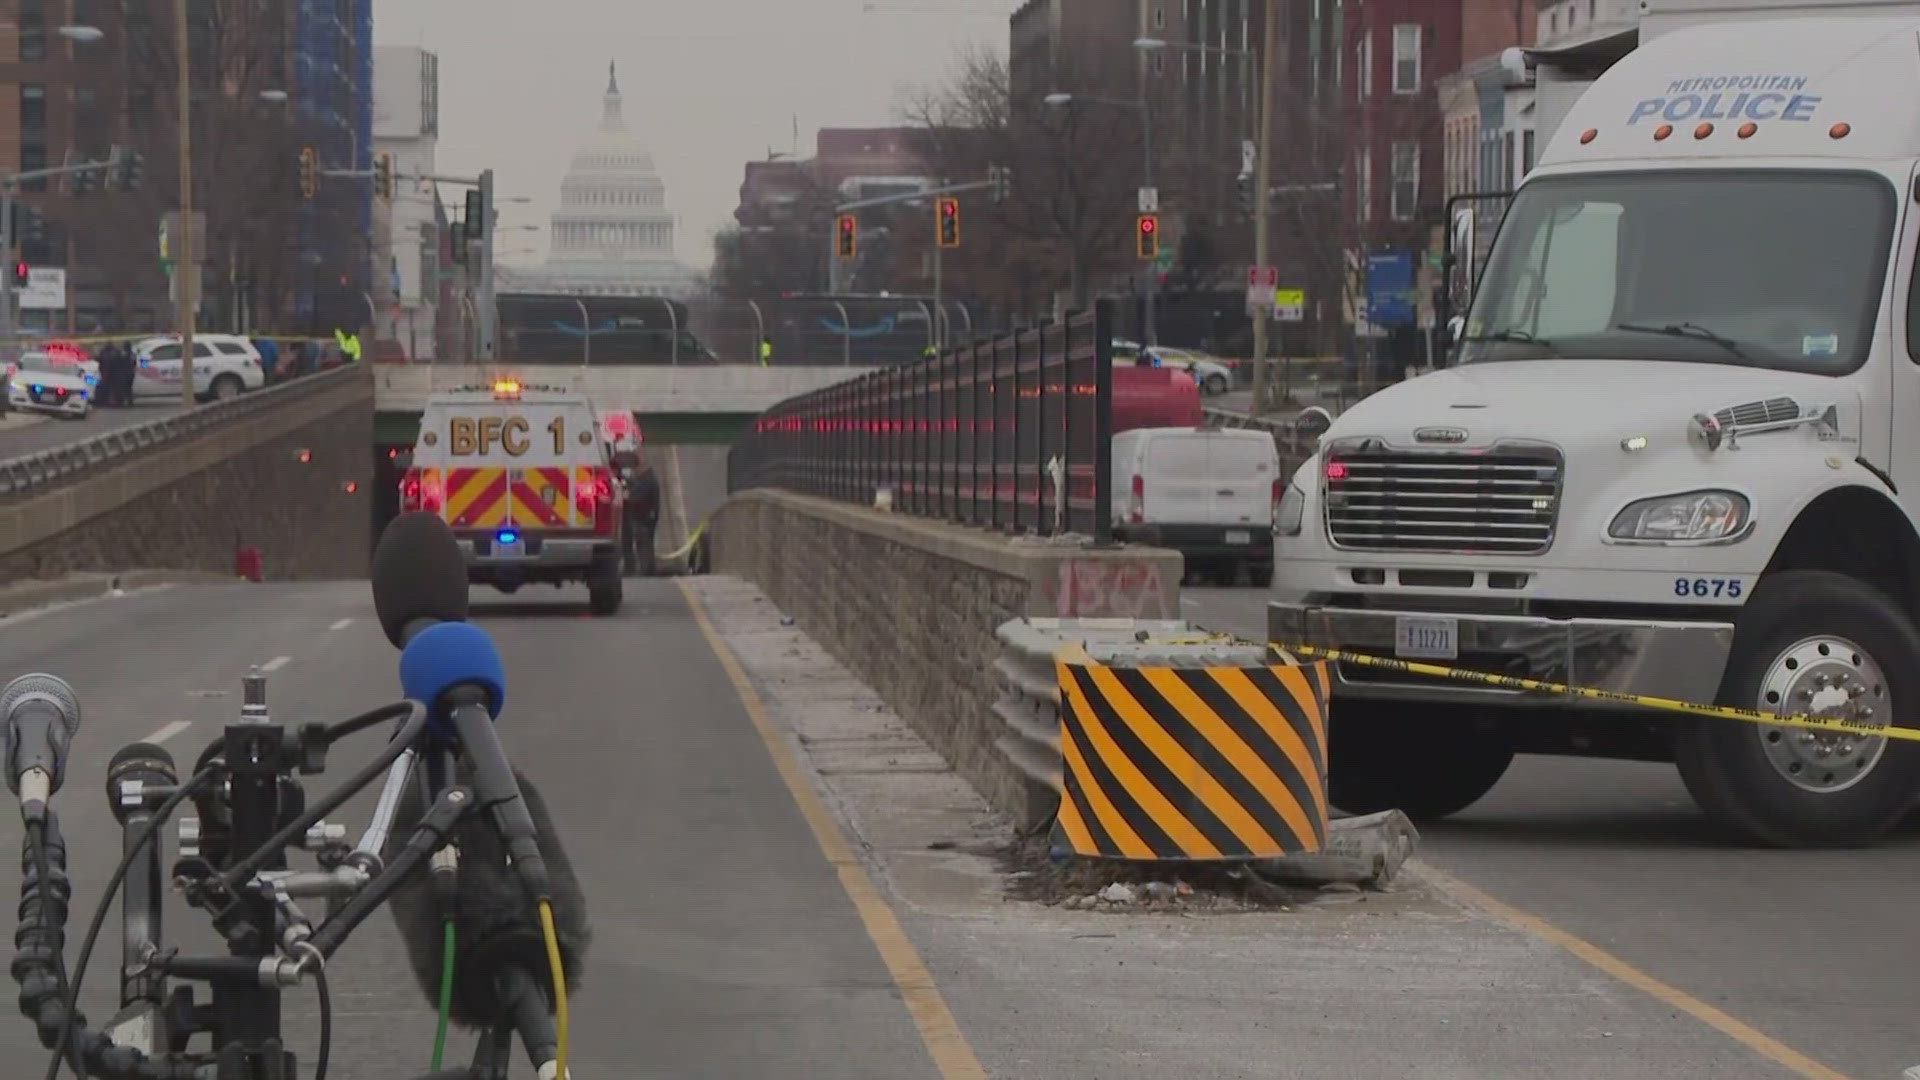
341 625
168 731
276 663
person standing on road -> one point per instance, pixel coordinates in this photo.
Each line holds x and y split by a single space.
642 509
766 352
269 357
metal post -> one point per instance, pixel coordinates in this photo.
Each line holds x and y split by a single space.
846 335
489 309
759 329
1103 423
939 310
188 264
6 280
586 335
1146 180
1262 173
673 328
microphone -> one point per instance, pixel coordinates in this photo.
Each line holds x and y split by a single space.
419 576
41 714
139 778
455 669
496 925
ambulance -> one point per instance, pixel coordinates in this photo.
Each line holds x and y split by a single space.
523 475
1675 459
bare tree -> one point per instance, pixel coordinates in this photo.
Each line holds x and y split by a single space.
1071 200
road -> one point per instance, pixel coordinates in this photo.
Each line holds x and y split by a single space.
1814 948
729 943
724 945
25 433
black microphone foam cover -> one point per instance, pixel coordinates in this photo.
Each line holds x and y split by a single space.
418 573
495 921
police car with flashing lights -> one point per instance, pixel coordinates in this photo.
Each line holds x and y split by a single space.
38 383
1676 456
524 476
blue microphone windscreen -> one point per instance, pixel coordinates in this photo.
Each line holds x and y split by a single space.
451 654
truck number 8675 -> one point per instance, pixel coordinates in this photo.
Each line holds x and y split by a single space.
1707 587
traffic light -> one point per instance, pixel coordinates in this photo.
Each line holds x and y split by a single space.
85 182
1147 233
133 169
476 214
383 175
309 172
1001 177
846 236
1245 191
948 225
20 274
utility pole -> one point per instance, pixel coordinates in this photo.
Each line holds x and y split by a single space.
489 310
1263 171
188 275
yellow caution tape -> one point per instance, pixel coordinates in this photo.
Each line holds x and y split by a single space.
1514 682
687 548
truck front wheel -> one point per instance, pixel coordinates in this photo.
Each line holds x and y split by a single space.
1822 644
1427 761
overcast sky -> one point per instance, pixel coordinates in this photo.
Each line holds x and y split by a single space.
708 85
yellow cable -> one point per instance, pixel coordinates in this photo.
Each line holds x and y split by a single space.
559 987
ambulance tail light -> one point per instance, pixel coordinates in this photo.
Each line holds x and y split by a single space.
599 492
420 491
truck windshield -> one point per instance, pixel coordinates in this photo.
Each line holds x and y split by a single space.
1775 269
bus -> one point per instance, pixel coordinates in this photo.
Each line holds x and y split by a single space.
550 328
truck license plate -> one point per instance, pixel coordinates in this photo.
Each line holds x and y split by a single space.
1238 536
510 549
1425 638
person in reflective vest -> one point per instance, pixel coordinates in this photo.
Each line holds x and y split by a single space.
766 352
349 345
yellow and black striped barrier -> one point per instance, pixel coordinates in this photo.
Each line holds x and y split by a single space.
1288 651
1191 763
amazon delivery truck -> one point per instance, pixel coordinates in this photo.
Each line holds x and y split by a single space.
1676 458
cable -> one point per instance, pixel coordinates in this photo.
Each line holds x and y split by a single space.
320 988
160 816
446 996
559 988
43 872
345 728
240 873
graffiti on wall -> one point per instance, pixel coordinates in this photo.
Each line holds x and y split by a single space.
1109 589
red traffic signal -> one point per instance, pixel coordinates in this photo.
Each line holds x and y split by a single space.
948 223
1147 236
20 274
847 240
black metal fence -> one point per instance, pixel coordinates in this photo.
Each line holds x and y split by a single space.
1013 433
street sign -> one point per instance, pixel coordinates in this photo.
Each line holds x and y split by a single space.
1259 301
1290 305
1263 277
1163 261
46 289
1391 295
1248 156
1149 200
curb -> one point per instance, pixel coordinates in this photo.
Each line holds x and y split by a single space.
27 595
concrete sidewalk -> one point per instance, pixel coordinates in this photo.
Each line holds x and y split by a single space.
1412 984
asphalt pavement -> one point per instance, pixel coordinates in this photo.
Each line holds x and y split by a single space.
26 433
1814 948
724 944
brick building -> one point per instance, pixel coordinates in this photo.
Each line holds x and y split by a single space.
78 77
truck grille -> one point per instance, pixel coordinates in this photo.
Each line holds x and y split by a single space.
1505 500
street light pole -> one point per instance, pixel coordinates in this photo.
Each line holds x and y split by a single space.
1146 181
188 274
1263 171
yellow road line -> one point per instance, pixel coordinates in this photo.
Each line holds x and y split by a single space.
1745 1034
939 1031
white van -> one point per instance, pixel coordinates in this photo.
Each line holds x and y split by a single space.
1207 494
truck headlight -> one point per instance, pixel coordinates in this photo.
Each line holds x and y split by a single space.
1291 511
1694 515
